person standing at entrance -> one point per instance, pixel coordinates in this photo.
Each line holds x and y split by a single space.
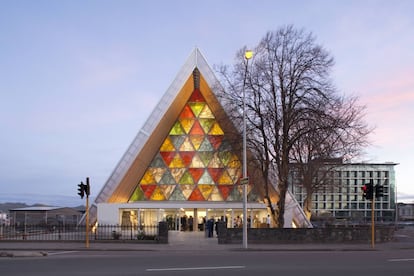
210 227
268 221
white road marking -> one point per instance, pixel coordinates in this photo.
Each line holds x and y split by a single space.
401 260
61 252
195 268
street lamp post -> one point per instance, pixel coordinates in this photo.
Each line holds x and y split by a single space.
245 181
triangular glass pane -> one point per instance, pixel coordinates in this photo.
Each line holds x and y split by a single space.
216 130
196 173
235 174
157 173
177 129
206 157
206 124
167 156
235 195
177 194
187 157
196 195
215 195
196 96
225 191
177 173
148 178
167 179
187 190
215 140
206 113
206 190
186 179
206 146
177 162
157 194
167 190
137 195
167 145
215 161
197 162
196 140
234 162
196 107
177 140
225 157
225 179
187 124
148 189
206 178
196 129
186 113
215 173
157 162
187 145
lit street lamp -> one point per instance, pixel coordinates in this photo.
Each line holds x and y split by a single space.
245 181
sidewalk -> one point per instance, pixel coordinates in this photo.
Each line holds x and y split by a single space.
185 241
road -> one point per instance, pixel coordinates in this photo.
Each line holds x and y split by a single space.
230 262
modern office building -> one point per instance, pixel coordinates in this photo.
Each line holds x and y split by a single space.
342 198
185 164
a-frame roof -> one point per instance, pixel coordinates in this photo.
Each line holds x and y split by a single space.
123 180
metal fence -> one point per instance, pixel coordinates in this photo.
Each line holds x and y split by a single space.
78 232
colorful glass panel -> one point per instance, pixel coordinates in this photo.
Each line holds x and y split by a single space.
187 124
206 113
196 140
177 140
137 195
157 194
216 130
186 178
148 178
195 162
196 195
167 156
186 189
167 190
187 145
177 194
186 113
167 179
196 129
167 145
196 107
206 124
177 162
196 96
215 141
177 129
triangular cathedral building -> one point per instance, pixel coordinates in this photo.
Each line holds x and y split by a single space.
185 162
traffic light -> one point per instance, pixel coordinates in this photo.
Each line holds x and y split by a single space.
368 191
379 191
81 189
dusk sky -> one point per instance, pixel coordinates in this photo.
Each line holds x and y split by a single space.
78 79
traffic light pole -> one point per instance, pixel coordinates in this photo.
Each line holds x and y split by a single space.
373 223
87 215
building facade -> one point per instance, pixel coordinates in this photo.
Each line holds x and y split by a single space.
342 198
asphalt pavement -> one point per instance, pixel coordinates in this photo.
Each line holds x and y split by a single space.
194 241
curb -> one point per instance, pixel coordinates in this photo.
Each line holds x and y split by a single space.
12 254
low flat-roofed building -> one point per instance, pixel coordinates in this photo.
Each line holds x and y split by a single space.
44 215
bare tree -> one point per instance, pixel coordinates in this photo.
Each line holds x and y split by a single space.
288 91
338 136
